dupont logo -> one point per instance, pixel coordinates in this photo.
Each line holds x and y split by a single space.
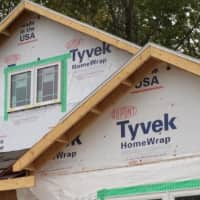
123 112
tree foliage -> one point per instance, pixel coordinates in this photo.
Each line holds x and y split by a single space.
171 23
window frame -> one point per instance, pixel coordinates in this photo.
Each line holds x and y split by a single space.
53 101
62 59
33 88
17 108
184 193
162 196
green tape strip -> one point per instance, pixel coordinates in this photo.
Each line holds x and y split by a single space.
151 188
61 58
5 114
37 63
64 85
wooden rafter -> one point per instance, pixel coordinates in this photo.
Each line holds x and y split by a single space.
96 104
11 17
17 183
40 147
89 118
183 62
6 33
25 6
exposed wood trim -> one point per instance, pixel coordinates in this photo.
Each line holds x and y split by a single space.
6 33
8 195
48 155
69 135
174 59
96 111
81 27
17 183
101 99
62 140
69 22
11 17
122 89
81 111
73 132
30 167
127 83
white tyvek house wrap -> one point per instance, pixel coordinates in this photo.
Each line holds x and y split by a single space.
101 163
24 128
156 121
59 185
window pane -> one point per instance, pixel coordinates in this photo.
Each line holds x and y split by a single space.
195 197
47 83
20 89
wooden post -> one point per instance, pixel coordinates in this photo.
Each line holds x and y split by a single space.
8 195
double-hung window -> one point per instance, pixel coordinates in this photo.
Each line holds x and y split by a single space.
20 89
34 87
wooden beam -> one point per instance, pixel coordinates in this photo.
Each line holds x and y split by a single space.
6 33
96 111
127 83
81 111
17 183
90 118
62 140
172 58
81 27
69 136
30 167
8 195
48 155
69 22
12 16
11 28
121 90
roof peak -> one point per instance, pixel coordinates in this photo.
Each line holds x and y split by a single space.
69 22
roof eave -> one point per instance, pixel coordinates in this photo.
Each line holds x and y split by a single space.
69 22
57 137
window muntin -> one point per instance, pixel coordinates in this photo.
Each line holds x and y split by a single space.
34 87
47 83
20 89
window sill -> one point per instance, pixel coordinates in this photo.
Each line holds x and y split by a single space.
28 107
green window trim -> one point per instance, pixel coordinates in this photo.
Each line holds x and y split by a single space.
61 58
148 189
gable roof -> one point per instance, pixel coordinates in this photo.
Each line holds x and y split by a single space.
8 26
29 6
104 96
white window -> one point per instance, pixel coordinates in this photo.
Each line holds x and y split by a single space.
158 196
20 89
34 87
193 194
47 83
